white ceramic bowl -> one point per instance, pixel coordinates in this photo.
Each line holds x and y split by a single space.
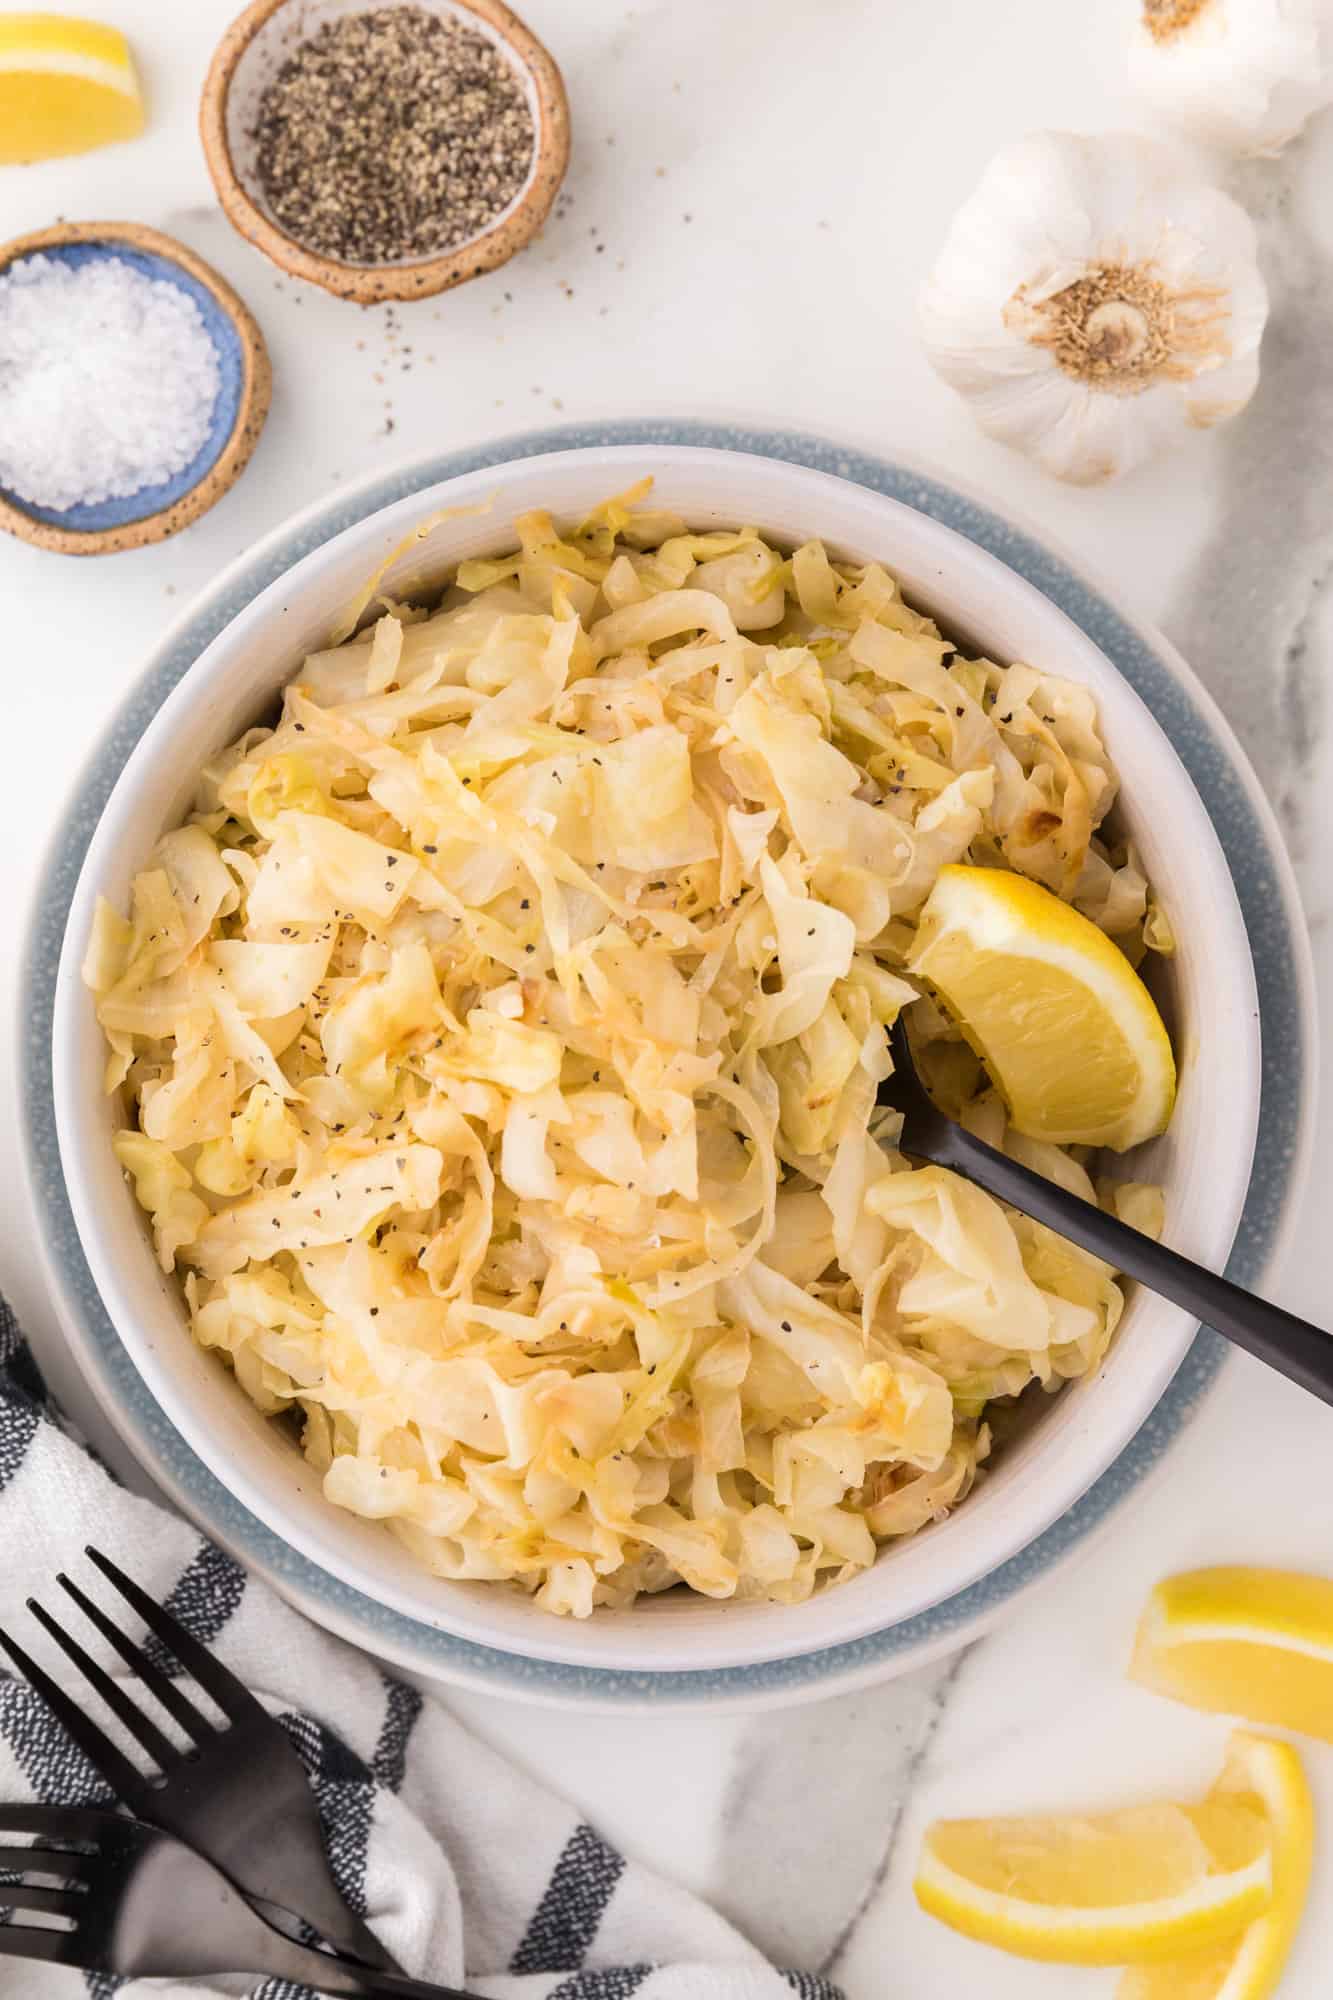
1208 990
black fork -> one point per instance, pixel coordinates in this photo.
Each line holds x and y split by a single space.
1300 1351
98 1890
237 1793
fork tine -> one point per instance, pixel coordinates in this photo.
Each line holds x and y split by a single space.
146 1733
100 1751
61 1947
178 1706
63 1861
232 1697
83 1827
28 1896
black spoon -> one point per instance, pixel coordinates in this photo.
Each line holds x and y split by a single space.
1298 1350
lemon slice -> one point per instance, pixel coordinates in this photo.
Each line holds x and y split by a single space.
1149 1882
1251 1642
1268 1777
65 86
1067 1029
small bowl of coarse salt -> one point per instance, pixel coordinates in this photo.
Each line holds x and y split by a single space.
133 386
384 149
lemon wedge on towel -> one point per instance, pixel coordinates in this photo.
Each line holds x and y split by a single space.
1267 1776
66 86
1070 1034
1154 1881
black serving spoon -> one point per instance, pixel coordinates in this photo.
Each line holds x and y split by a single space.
1298 1350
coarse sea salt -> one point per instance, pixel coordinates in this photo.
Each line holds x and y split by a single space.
108 380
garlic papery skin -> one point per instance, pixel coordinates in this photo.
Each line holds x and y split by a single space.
1244 74
1096 301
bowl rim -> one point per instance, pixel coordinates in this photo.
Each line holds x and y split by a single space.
426 276
812 452
1049 1480
251 409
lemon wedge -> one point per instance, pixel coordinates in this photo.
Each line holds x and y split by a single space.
1148 1882
66 86
1250 1642
1268 1777
1068 1031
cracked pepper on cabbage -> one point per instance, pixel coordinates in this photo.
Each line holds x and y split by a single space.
501 1038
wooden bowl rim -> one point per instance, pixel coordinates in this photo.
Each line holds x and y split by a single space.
252 409
376 283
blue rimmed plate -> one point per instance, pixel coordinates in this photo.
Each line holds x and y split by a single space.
1267 897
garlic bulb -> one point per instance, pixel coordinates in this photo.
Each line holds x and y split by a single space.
1094 300
1240 73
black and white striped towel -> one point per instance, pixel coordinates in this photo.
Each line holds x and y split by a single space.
465 1868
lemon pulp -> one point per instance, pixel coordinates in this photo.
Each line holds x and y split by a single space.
1070 1034
1251 1642
1267 1776
66 86
1107 1889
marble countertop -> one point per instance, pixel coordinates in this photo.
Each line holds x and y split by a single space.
755 193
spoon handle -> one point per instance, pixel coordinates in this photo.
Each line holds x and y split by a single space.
1297 1349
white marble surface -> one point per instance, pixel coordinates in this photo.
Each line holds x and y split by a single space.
756 191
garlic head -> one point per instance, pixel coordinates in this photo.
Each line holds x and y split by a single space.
1245 74
1095 300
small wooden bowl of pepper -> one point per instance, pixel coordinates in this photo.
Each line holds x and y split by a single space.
384 152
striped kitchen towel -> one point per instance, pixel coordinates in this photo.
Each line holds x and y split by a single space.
467 1870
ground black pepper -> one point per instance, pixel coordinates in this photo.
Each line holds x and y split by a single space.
392 135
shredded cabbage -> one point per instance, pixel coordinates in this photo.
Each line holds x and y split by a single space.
501 1040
